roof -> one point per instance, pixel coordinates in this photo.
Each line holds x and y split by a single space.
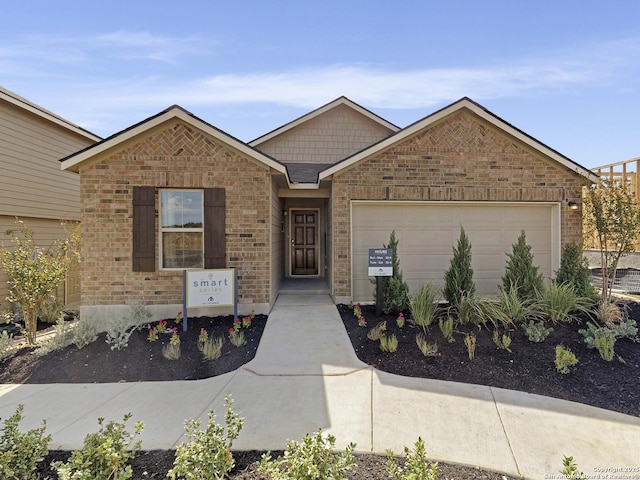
319 111
31 107
463 103
73 162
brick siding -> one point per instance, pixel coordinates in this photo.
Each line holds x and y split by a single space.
173 155
461 158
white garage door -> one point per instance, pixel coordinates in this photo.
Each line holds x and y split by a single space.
427 233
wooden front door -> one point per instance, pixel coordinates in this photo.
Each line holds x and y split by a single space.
304 242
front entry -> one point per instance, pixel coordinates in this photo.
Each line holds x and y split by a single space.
304 242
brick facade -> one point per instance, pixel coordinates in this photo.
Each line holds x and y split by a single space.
460 158
173 155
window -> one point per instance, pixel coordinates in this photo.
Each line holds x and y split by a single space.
182 228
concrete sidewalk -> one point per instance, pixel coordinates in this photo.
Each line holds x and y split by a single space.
305 376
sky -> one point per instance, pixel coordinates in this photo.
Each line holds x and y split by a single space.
566 72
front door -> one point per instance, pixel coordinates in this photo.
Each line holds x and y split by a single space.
304 242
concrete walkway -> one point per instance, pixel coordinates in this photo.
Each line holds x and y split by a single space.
305 376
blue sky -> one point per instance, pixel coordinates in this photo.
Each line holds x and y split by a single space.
566 72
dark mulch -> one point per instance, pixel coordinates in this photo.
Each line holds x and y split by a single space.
529 367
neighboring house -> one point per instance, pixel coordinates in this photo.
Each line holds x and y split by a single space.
310 198
32 186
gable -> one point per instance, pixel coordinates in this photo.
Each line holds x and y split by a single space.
326 138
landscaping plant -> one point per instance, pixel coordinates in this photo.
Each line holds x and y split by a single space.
104 455
446 327
21 452
537 331
34 272
565 358
470 343
574 269
560 304
211 348
416 465
172 350
503 343
424 305
516 309
206 455
520 273
376 332
458 278
570 469
395 292
612 217
311 459
427 349
388 343
5 343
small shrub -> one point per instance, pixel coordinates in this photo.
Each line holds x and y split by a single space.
85 332
311 459
424 306
574 270
416 466
237 338
537 331
119 330
61 338
481 310
520 271
570 469
388 343
5 343
458 278
564 359
516 310
470 343
627 329
610 313
559 303
605 345
503 343
376 332
51 311
104 455
427 349
206 455
211 348
394 289
446 327
20 452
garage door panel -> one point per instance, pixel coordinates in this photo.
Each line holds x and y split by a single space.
428 232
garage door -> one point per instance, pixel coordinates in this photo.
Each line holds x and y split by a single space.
427 233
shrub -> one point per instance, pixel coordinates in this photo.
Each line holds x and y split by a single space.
376 332
516 310
537 331
602 339
5 343
211 348
628 329
416 466
84 332
570 469
427 349
424 306
312 459
610 313
481 310
207 453
605 345
388 343
574 270
458 278
104 455
395 292
470 343
120 329
446 327
503 343
559 303
61 338
520 272
20 452
237 338
51 311
564 359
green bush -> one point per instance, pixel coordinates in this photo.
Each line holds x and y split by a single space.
395 291
516 310
458 278
574 269
565 358
602 339
446 327
570 469
206 455
424 305
51 311
479 311
20 452
105 454
560 303
388 343
416 466
520 272
311 459
61 338
537 332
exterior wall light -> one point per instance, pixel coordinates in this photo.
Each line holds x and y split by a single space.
573 205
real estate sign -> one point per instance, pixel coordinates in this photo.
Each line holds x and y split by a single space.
380 262
208 288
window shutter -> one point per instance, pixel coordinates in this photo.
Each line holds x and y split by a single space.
215 249
144 229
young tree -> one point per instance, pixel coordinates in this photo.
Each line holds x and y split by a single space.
520 273
574 269
612 216
35 273
395 291
458 278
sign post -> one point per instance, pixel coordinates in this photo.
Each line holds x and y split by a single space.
208 288
380 265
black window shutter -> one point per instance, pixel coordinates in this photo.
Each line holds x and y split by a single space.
215 249
144 229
